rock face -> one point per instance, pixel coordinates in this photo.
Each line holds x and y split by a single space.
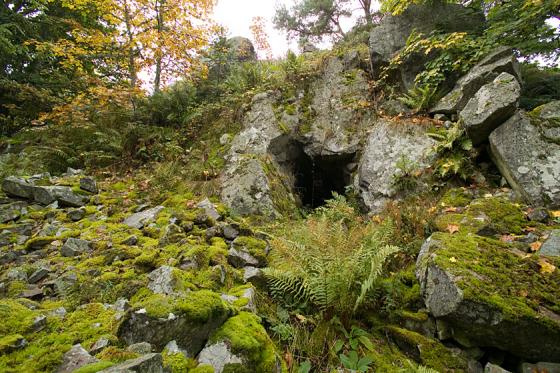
492 105
388 145
501 60
486 291
393 32
551 247
242 49
149 363
526 153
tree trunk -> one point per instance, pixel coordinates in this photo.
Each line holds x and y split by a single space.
133 75
366 6
159 57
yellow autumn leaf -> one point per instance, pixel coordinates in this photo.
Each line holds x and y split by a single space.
555 214
452 228
535 246
453 259
546 267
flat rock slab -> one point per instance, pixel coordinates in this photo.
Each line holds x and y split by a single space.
149 363
75 358
526 154
143 218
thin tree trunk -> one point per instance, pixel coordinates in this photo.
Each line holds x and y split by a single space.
133 75
159 57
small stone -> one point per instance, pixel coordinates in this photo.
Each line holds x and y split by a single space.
121 305
16 274
59 312
38 275
141 348
39 323
218 356
74 247
130 241
77 214
34 294
162 280
255 276
99 345
441 117
209 209
141 219
172 348
89 185
212 232
230 232
225 139
240 259
539 215
75 358
491 368
488 231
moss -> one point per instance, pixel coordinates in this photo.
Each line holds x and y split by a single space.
202 369
248 338
9 342
116 355
254 246
456 197
95 367
177 362
430 352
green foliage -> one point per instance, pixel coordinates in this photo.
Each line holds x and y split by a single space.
541 85
331 261
351 351
406 175
455 153
420 98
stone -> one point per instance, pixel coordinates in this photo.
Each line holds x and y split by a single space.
209 209
130 240
240 259
46 195
75 246
451 293
59 312
387 145
390 36
99 346
34 293
89 185
143 218
230 231
551 247
16 274
77 214
540 367
254 276
248 294
218 356
39 323
492 105
172 233
141 348
75 358
163 280
500 60
38 275
491 368
528 159
17 187
121 305
149 363
11 212
225 139
242 49
538 214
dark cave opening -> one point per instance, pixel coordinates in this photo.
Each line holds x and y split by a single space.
317 178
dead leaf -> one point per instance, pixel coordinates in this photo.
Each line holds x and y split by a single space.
453 259
507 238
546 267
535 246
450 209
452 228
301 318
524 293
555 214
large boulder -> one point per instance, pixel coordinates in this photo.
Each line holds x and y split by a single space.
391 34
500 60
46 195
488 292
242 49
491 106
18 187
189 320
389 145
526 150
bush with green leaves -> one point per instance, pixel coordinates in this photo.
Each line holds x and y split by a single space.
455 153
330 262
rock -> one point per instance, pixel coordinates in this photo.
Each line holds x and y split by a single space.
540 367
479 303
149 363
99 346
39 323
75 247
89 185
17 187
189 320
528 159
230 232
387 146
130 241
255 276
59 312
240 259
10 212
225 139
551 247
242 49
248 295
75 358
172 233
16 274
209 209
391 34
141 219
77 214
46 195
491 368
38 275
538 214
141 348
121 305
12 343
492 105
500 60
163 280
218 356
226 351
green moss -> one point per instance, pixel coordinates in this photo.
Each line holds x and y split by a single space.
202 369
177 362
456 197
254 246
15 317
116 355
248 338
95 367
9 342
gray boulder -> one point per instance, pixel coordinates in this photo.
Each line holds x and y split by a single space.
38 275
388 145
501 60
75 246
209 209
89 185
143 218
75 358
11 211
141 348
391 34
163 280
455 274
492 105
17 187
242 49
77 214
241 258
46 195
526 153
149 363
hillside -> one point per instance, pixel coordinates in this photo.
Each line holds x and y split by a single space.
321 213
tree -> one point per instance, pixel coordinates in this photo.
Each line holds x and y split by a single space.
260 36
